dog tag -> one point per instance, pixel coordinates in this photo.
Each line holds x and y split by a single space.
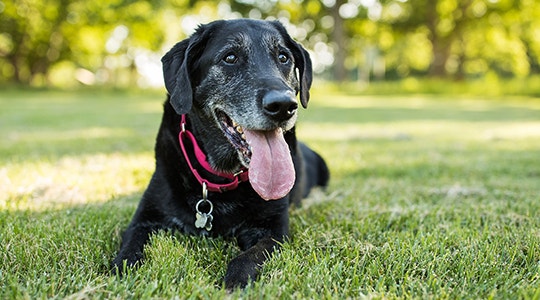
200 220
203 220
209 219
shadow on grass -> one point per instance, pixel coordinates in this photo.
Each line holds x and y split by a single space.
53 124
432 111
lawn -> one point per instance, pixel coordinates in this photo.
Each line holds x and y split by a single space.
430 197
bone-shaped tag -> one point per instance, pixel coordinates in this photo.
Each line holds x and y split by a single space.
203 220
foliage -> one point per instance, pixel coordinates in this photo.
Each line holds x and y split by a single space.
38 36
431 197
62 42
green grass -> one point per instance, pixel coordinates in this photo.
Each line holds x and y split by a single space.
431 197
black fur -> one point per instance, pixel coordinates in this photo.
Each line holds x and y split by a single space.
201 77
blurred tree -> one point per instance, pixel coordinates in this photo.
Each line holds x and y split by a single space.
31 37
36 34
339 36
470 36
108 41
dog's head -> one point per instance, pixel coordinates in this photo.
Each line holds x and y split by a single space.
235 48
241 78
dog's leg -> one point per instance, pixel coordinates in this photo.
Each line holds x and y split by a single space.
245 267
131 251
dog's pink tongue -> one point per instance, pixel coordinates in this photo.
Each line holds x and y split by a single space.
271 170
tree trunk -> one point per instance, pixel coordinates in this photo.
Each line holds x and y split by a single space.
440 49
16 70
339 37
441 54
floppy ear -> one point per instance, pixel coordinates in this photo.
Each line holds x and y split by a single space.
176 68
302 64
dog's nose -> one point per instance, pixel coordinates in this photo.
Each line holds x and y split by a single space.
279 105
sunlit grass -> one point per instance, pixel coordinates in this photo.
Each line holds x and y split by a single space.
71 180
67 148
430 197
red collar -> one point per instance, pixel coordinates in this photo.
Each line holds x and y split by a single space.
236 178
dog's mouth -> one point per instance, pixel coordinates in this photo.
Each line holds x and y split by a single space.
265 153
236 136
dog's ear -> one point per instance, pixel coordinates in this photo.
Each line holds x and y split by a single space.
302 63
176 71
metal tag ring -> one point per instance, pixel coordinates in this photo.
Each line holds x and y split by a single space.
203 201
204 191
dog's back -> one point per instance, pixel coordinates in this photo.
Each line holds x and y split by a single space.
316 168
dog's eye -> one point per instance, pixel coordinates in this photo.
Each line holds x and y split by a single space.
230 58
283 58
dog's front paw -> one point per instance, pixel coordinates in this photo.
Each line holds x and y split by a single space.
124 262
240 272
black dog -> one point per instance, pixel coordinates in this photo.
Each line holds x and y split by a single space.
227 144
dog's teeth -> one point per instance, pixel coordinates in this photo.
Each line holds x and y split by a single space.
239 129
243 136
